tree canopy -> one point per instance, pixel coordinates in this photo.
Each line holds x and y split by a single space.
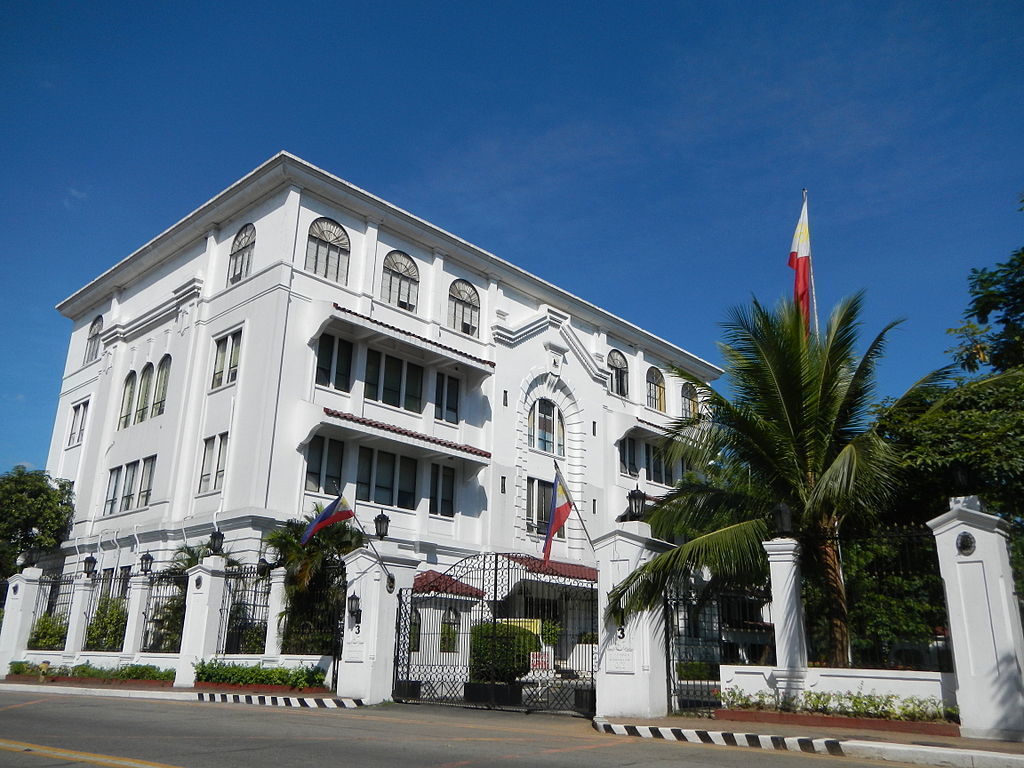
35 513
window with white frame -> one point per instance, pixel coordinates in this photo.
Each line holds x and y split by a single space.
627 457
327 250
448 640
546 428
538 507
323 465
394 381
127 400
655 389
689 400
334 362
464 308
128 486
241 254
79 414
92 342
145 390
400 281
215 454
446 398
659 469
113 488
146 482
442 490
620 373
225 360
386 478
163 373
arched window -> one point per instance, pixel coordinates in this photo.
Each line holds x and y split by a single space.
620 373
92 344
546 428
655 389
127 398
448 642
327 250
400 282
163 372
464 308
241 254
689 398
415 626
145 389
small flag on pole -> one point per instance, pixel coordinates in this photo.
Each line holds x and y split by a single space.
800 261
334 512
561 506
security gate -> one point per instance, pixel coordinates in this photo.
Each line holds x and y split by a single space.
499 630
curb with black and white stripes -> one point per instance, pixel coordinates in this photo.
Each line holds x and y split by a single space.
919 754
280 701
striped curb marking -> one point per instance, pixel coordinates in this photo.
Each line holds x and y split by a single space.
724 738
280 701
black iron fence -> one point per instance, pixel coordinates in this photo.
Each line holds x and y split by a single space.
108 612
896 609
313 620
53 606
165 612
243 622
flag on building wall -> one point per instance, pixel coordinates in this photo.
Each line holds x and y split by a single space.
800 261
561 506
334 512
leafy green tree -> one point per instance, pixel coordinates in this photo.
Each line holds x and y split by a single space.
797 431
35 513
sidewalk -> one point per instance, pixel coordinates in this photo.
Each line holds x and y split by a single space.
863 743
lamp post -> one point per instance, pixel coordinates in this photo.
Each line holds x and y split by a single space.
216 541
783 520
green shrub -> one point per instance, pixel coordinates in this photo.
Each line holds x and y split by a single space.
697 670
500 653
886 706
215 671
143 672
49 633
21 668
589 638
87 670
550 631
106 630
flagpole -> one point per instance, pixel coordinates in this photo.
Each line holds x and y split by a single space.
810 270
578 513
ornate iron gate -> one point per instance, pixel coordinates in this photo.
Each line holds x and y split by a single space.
505 631
243 618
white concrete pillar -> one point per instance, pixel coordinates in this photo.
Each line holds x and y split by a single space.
276 604
138 599
204 597
82 589
787 616
984 620
632 673
368 653
19 613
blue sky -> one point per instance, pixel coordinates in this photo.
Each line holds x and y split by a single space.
648 157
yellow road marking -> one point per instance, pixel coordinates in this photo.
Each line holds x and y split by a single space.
22 704
82 757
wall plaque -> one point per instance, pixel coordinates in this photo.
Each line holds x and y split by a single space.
620 661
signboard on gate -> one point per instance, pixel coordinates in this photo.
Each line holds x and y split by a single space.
540 660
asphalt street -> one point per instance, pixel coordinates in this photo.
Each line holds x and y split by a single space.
51 731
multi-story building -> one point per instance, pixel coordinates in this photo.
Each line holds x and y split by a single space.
296 337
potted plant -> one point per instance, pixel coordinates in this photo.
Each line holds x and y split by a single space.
499 654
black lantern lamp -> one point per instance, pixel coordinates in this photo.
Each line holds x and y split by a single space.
637 500
89 566
146 563
262 568
353 608
783 519
217 541
380 525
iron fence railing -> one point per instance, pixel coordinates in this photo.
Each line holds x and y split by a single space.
165 612
108 612
243 620
50 619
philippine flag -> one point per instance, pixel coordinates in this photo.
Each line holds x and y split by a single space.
334 512
561 506
800 261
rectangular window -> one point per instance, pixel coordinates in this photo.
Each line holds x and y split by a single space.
323 465
627 457
334 363
538 507
113 486
406 483
442 490
384 478
225 361
106 582
128 489
446 399
364 473
78 417
211 476
659 470
401 384
146 483
123 580
391 478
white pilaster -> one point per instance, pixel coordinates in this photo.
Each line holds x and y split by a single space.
19 612
203 599
788 616
276 604
138 598
984 620
78 617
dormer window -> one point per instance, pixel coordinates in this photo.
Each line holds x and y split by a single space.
400 281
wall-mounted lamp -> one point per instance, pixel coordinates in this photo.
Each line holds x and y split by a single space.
353 608
380 525
637 500
89 566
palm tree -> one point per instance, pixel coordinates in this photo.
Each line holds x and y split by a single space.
797 431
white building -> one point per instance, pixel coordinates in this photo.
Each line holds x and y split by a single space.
296 336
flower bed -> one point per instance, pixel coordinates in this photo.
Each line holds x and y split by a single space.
131 675
813 720
261 688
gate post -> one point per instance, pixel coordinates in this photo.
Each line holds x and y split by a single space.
138 598
204 597
984 620
82 589
788 617
368 654
19 613
632 674
276 604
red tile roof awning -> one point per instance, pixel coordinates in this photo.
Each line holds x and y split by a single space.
555 568
432 581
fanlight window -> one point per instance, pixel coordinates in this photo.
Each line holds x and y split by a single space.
689 397
163 372
92 345
620 373
400 283
145 390
655 390
327 250
546 428
241 254
127 399
464 308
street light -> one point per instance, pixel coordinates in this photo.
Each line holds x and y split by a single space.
216 541
89 566
353 608
380 525
146 563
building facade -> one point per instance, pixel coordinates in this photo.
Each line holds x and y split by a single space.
296 337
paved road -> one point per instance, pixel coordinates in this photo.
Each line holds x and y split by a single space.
52 731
